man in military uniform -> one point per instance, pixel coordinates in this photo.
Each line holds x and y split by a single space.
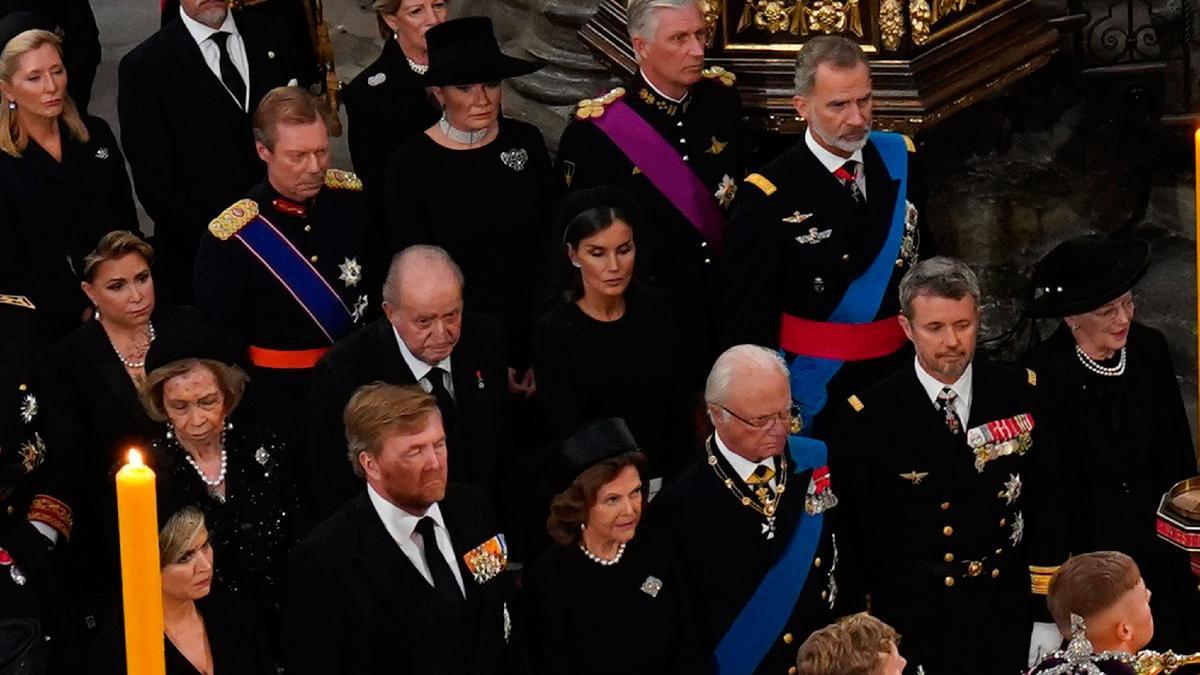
755 524
287 270
35 462
672 137
821 236
941 467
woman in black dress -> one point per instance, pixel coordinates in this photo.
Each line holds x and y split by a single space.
104 363
604 600
608 348
1108 400
476 183
386 103
239 476
62 176
204 632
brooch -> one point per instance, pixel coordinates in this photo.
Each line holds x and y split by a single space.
515 159
262 456
102 153
376 79
651 586
487 560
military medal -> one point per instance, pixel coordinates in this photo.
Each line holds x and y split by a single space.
479 379
32 453
820 497
515 159
360 308
797 218
6 560
717 147
29 408
911 244
351 272
819 284
487 560
1018 529
1012 489
765 501
814 236
725 191
915 477
1000 438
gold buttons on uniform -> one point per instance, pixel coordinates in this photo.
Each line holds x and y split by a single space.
313 259
947 530
845 257
995 573
1003 522
974 568
21 387
817 562
949 557
949 582
788 638
945 506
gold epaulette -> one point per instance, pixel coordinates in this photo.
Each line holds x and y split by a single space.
1031 377
16 301
760 181
343 180
908 143
233 219
1039 578
856 403
594 107
720 74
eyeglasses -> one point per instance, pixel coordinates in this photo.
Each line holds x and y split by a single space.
1109 312
788 417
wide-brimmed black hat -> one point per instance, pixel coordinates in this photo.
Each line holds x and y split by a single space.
192 340
12 25
599 440
1084 273
464 51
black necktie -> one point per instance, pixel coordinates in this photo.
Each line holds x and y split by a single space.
945 401
229 74
436 377
848 175
443 579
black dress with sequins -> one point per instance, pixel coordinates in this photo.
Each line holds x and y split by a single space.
256 522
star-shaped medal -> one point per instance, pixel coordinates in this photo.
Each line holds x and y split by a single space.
1018 529
360 308
726 190
29 408
1012 488
351 272
768 528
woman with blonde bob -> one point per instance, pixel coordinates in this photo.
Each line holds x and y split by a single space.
62 176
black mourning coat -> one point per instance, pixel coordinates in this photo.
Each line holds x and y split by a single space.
725 556
190 146
479 445
50 208
705 129
923 513
803 268
356 605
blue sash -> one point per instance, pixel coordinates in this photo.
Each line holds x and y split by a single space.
811 375
310 290
757 627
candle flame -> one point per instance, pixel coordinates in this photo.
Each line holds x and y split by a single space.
135 457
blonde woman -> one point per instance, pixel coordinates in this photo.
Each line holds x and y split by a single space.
62 176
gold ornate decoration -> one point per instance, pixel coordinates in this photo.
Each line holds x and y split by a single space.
594 107
712 19
1153 663
233 219
832 16
719 74
770 15
343 180
800 17
919 15
891 24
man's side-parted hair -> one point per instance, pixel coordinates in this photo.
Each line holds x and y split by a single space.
832 49
640 15
378 410
855 645
940 277
285 105
1088 584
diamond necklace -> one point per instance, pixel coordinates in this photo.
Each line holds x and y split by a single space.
128 363
460 136
1107 371
418 68
597 559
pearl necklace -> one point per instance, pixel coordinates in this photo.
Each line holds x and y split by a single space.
212 483
601 561
460 136
418 68
128 363
1107 371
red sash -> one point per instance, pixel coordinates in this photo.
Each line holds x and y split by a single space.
841 341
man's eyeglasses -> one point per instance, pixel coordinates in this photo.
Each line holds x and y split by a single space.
789 417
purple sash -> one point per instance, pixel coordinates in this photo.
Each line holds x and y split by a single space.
651 153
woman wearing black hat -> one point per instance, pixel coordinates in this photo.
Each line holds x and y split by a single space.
239 476
476 183
608 348
386 104
603 600
1107 395
62 176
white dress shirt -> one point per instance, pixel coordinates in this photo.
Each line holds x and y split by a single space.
742 466
420 369
212 53
402 525
961 389
833 162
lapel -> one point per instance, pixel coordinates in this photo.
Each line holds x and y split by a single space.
881 199
391 361
195 73
112 373
463 538
926 424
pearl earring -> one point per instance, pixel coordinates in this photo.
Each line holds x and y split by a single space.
576 263
12 105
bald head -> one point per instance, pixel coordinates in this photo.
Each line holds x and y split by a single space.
422 299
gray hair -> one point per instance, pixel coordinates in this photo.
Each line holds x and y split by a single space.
419 253
832 49
641 15
734 362
941 277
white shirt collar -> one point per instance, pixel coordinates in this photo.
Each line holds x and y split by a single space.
400 523
659 91
961 387
418 367
200 32
741 466
827 159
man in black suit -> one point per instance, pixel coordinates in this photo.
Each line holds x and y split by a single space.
186 95
942 469
426 339
760 500
821 235
408 577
